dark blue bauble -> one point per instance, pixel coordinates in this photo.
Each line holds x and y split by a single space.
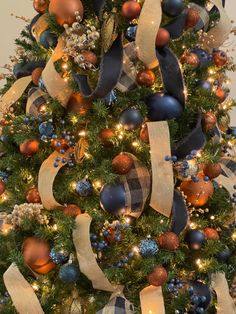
204 57
163 107
172 8
34 20
58 258
195 239
69 273
224 255
26 69
84 188
206 85
203 293
112 198
130 33
131 119
48 39
46 129
148 247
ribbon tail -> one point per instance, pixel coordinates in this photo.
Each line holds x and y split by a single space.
151 299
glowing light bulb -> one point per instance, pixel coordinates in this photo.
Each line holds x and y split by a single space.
35 286
234 235
82 133
55 227
135 144
64 66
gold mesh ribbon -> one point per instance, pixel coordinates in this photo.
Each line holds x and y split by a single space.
86 258
151 299
225 304
162 171
39 27
21 292
148 25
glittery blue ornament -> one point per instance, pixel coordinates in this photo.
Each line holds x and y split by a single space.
58 257
130 33
69 273
84 187
4 175
48 39
46 129
148 247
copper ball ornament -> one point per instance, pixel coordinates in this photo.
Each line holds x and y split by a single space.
29 147
211 234
89 57
40 5
212 170
105 136
169 241
72 210
158 276
131 9
162 38
208 121
220 58
191 59
32 196
197 193
79 104
143 135
122 163
145 78
36 255
192 18
2 187
64 11
60 144
36 74
220 94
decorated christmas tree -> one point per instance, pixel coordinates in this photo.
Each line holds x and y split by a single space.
117 167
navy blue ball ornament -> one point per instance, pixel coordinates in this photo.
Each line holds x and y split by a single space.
84 188
69 273
204 57
48 39
46 129
224 255
130 33
58 258
206 85
172 8
163 107
148 247
112 198
131 119
195 238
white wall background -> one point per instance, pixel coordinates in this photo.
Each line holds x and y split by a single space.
10 28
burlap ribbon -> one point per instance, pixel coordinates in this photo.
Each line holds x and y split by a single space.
148 25
225 304
162 171
39 27
21 292
46 177
86 258
56 86
151 299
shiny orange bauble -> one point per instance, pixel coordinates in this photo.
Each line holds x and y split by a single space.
79 104
191 59
72 210
64 10
131 9
59 144
197 193
192 17
122 163
220 94
36 255
2 187
145 78
29 147
89 57
220 58
32 196
143 135
158 276
105 136
211 234
169 241
40 5
36 75
163 38
212 170
208 121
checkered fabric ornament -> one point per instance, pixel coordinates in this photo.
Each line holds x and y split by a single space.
36 99
117 305
137 184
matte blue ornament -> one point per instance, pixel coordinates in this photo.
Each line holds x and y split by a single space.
84 187
163 107
204 57
195 239
69 273
112 198
48 39
224 255
58 257
130 33
46 129
172 8
131 119
148 247
206 85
